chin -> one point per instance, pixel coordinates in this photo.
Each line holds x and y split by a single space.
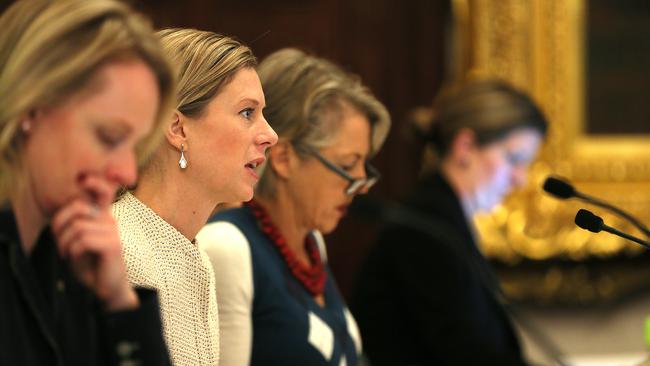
243 195
50 208
328 227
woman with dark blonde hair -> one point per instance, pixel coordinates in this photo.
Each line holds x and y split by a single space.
426 295
278 301
82 82
214 139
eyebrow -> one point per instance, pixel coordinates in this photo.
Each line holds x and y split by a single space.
117 125
355 155
250 100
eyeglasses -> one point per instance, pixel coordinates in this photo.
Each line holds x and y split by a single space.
355 185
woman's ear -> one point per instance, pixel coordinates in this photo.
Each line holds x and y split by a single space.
29 120
175 132
462 147
282 158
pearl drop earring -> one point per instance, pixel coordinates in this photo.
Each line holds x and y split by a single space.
182 162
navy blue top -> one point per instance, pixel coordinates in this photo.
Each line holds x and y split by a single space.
285 316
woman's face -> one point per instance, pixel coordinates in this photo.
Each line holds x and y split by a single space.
93 133
499 167
229 140
319 193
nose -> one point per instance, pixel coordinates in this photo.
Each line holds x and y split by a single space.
123 169
267 136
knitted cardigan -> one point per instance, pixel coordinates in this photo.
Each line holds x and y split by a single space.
158 256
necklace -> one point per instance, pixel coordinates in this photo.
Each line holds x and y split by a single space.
312 277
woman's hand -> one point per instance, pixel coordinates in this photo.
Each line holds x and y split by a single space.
87 237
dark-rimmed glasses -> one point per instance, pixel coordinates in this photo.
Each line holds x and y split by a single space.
355 185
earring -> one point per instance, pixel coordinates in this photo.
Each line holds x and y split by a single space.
25 126
182 162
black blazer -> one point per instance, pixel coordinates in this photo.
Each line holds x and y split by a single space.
48 317
427 296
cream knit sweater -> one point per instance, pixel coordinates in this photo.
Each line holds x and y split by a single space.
158 256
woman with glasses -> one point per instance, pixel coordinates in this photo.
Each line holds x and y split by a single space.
426 278
278 302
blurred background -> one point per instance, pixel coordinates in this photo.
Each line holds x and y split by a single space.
584 61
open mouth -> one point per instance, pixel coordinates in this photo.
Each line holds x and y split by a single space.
255 163
251 165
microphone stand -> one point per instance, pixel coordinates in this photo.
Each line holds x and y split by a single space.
615 210
614 231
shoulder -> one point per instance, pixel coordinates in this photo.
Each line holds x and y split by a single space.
230 256
229 253
129 225
128 221
138 254
239 216
124 207
230 232
223 241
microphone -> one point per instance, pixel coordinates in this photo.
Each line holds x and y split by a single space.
588 221
559 188
562 189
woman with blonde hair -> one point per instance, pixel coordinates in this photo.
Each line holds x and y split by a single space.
82 82
213 141
278 302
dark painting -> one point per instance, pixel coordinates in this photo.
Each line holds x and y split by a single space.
618 67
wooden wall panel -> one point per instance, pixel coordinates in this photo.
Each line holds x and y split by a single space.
395 46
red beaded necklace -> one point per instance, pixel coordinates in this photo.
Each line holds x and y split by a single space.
311 277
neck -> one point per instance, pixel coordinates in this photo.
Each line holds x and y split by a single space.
173 197
29 217
455 176
288 220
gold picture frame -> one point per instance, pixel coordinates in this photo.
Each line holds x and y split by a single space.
539 46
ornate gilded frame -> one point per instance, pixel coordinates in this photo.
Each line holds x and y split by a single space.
539 46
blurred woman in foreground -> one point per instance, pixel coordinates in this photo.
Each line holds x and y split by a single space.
81 83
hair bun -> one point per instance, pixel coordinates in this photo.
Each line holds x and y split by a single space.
422 123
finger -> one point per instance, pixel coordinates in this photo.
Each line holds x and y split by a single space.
103 228
94 255
70 234
68 213
85 268
94 239
99 190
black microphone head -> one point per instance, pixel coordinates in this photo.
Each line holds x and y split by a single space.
588 221
559 188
